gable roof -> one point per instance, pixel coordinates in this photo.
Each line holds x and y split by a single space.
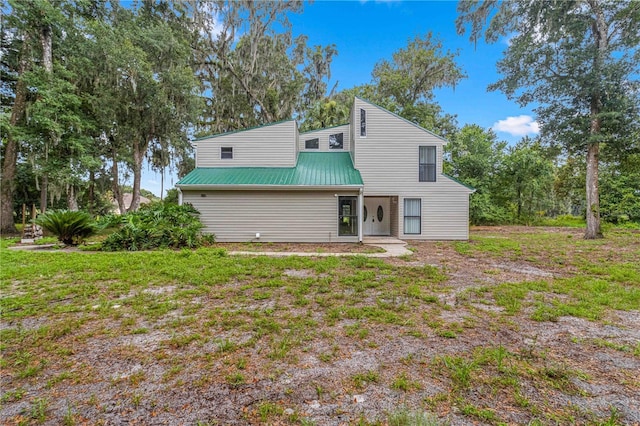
403 119
230 132
313 169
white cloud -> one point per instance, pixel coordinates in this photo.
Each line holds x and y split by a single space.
517 126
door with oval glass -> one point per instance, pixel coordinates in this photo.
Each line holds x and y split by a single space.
376 218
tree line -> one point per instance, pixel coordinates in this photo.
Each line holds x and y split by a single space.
91 91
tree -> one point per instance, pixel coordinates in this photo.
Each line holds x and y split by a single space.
525 180
403 85
474 156
145 92
254 71
579 60
415 71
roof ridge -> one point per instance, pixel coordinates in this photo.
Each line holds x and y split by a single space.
403 119
216 135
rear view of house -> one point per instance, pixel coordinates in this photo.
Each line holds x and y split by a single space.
378 175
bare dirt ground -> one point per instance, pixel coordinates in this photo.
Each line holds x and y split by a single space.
256 356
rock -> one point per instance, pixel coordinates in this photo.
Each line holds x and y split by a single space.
358 399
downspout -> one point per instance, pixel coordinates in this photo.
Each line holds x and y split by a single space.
179 197
360 213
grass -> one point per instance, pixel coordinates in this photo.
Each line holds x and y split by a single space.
196 320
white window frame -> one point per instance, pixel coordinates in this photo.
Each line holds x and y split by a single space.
222 154
419 217
336 134
317 140
363 123
426 165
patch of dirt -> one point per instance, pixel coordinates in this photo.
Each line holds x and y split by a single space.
301 247
222 364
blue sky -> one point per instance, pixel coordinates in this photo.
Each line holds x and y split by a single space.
365 32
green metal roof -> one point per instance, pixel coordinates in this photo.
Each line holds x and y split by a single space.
312 169
460 182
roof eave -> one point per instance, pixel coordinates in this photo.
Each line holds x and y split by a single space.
226 187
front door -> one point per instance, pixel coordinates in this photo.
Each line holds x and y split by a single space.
375 218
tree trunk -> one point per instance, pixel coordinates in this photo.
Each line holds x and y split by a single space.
593 203
10 163
162 185
46 40
117 194
599 30
137 176
72 202
92 184
44 187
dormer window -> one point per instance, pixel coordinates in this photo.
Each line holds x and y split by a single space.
363 123
336 141
312 143
427 164
226 152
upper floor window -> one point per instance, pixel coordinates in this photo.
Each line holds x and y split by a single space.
312 143
336 141
226 152
427 164
363 122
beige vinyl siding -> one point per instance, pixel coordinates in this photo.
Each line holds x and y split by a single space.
394 217
323 137
387 159
444 213
388 156
266 146
279 216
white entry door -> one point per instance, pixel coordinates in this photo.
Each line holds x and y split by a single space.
376 218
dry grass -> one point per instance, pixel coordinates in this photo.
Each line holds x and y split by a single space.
519 325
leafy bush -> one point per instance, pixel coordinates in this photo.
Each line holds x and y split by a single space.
483 211
157 225
109 221
71 227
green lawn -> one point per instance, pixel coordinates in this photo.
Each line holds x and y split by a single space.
513 326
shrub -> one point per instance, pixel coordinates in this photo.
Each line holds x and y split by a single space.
109 221
157 225
71 227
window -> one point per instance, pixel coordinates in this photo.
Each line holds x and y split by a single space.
335 141
226 152
412 210
312 143
427 168
363 122
347 216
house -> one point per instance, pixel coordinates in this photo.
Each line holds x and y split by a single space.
378 175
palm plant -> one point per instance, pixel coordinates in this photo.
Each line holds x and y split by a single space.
71 227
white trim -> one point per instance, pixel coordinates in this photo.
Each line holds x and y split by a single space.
179 197
360 214
223 187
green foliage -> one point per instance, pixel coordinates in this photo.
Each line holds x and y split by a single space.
620 192
70 227
578 62
525 181
157 225
474 157
404 85
256 71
